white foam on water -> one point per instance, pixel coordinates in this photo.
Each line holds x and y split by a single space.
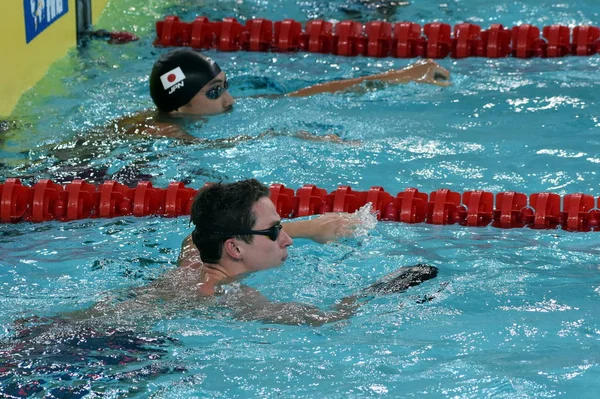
367 218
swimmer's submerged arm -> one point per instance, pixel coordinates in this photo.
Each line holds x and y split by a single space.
251 305
145 124
304 135
423 71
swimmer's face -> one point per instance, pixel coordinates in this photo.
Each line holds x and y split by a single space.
264 253
212 99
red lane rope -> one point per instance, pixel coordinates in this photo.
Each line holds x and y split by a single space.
379 38
46 201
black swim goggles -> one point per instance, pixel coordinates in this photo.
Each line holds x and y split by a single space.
217 91
272 232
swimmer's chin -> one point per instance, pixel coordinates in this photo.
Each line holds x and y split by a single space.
206 115
225 111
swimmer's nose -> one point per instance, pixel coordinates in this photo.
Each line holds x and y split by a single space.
286 240
228 101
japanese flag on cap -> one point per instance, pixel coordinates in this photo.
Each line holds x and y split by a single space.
172 70
172 77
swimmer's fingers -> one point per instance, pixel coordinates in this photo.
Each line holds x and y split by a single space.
442 83
434 72
425 61
440 73
439 76
346 226
332 226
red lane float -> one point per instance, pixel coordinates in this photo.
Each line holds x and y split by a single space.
479 208
14 198
201 35
511 210
407 41
379 38
348 39
526 42
442 207
45 196
439 43
465 38
409 206
287 36
260 35
576 215
558 40
78 200
585 40
172 32
311 200
494 42
318 37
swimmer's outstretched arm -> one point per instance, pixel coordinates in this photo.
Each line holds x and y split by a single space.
304 135
423 71
325 228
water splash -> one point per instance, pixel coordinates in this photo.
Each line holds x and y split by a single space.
367 218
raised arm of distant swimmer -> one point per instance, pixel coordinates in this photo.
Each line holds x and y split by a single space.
423 71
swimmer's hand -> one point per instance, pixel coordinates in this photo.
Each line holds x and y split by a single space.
402 279
325 228
422 71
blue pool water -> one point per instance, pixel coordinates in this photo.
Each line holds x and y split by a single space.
512 313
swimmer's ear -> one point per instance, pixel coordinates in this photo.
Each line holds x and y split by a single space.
232 249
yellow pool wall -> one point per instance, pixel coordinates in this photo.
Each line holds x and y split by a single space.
24 64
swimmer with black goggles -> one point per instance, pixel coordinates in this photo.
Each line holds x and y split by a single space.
188 82
272 232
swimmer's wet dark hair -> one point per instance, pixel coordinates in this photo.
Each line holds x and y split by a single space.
220 208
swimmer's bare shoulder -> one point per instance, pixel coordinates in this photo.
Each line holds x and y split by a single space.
190 264
188 280
149 123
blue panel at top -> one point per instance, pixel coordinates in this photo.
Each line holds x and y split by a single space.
40 14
